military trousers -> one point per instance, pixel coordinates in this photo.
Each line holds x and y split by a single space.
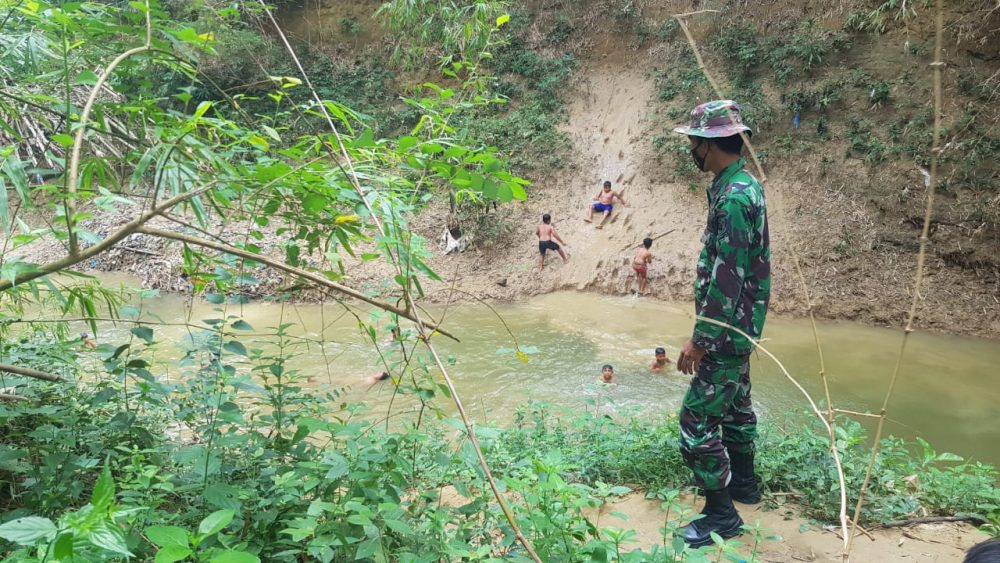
717 418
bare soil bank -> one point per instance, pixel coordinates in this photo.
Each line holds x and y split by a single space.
800 538
612 119
611 125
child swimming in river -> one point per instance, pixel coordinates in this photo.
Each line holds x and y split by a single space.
608 374
378 377
660 360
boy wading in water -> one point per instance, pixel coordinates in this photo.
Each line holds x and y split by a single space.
640 263
603 202
545 233
660 360
607 374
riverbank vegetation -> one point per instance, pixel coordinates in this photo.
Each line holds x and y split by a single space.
144 112
228 457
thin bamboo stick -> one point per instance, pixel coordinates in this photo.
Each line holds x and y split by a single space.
74 159
918 275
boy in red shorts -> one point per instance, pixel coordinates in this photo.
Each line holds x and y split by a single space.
641 263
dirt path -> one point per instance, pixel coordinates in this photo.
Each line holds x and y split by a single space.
802 540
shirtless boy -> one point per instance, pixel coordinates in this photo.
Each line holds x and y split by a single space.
640 263
660 362
603 202
545 233
607 374
378 377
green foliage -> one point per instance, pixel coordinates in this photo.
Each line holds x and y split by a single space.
90 533
366 88
350 25
644 453
450 32
682 77
790 53
525 129
865 142
225 160
560 31
667 29
677 148
624 11
906 478
254 467
882 15
813 98
310 480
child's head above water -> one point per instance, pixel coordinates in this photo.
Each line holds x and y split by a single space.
607 373
661 354
647 242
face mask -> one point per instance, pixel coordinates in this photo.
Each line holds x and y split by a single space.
699 161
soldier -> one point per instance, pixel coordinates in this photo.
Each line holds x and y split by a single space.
718 424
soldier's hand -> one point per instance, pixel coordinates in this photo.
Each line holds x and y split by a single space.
690 358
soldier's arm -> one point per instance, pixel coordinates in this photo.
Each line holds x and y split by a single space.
731 265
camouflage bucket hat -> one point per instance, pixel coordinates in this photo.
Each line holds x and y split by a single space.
712 120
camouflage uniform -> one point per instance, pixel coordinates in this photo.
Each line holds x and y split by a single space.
733 287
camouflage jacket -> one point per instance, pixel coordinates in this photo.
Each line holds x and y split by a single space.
734 269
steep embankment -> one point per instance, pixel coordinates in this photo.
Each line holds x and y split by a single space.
858 259
610 128
855 224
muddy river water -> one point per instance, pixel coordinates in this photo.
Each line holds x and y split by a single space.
947 392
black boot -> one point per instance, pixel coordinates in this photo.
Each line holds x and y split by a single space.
720 517
743 485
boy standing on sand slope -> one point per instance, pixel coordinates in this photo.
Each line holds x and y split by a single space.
603 202
545 233
640 263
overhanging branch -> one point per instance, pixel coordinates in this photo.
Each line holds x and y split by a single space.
304 274
29 372
112 239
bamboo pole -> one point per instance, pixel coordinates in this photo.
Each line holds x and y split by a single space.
937 65
74 159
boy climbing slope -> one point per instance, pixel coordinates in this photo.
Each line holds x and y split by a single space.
545 233
640 263
604 202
